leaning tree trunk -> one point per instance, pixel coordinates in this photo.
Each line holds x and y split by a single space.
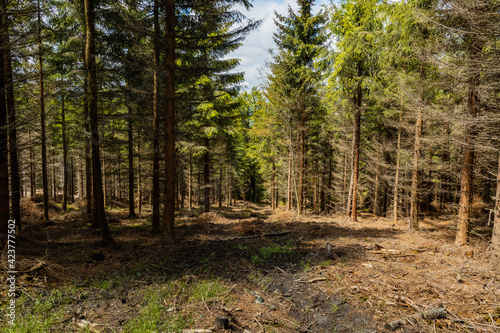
170 176
4 166
45 184
467 170
99 216
495 240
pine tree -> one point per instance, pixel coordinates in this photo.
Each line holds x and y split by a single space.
294 78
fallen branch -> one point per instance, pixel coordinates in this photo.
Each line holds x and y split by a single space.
254 236
312 280
429 314
38 266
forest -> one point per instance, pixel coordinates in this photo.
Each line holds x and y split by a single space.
145 188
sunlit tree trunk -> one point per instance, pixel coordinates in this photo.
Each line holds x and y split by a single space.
357 138
467 169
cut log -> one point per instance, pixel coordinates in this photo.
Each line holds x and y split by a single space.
429 314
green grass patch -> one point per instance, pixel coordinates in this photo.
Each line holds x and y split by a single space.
45 314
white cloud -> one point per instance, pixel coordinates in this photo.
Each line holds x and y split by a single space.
254 52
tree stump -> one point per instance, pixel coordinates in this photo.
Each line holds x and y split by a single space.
221 323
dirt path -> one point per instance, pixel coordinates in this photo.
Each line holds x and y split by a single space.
307 274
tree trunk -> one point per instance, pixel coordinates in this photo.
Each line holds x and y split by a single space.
289 204
495 240
72 178
13 150
88 158
302 147
220 184
357 138
45 184
170 177
139 176
206 177
376 208
190 180
131 183
155 192
273 179
54 176
32 166
414 200
4 160
396 180
99 217
65 155
467 170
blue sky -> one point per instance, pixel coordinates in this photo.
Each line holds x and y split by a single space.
254 52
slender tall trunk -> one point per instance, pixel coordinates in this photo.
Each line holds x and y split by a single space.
13 151
131 183
273 180
289 191
99 217
495 240
396 180
229 189
206 177
302 160
32 166
190 180
155 192
414 198
72 178
139 175
170 163
220 184
467 169
88 157
4 160
65 155
344 188
54 176
376 209
357 138
45 184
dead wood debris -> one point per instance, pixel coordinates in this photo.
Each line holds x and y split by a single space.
435 312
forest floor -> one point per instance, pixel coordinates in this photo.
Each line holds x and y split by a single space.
265 271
